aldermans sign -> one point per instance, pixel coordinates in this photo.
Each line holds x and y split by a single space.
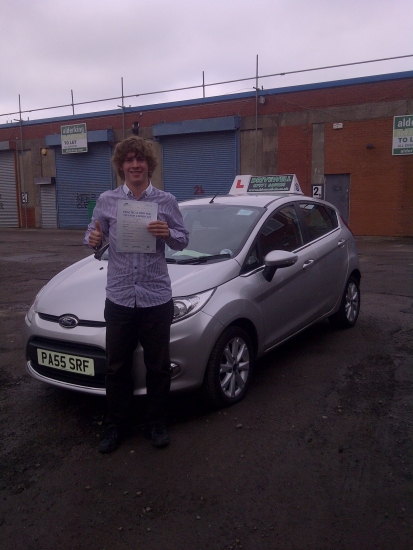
74 138
403 135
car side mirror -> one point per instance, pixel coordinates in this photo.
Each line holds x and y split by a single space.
275 260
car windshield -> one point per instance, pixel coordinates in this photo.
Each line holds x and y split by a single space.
216 232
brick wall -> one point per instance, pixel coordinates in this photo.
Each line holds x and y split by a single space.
294 154
28 218
296 101
381 187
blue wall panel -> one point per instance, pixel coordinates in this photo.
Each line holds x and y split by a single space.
81 178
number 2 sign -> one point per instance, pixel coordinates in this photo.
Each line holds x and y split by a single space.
318 191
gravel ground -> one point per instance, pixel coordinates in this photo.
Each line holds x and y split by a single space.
318 456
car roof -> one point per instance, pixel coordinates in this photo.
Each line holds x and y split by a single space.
260 200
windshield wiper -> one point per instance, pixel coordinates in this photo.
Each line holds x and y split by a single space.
203 259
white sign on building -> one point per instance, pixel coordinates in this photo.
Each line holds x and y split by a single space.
403 135
74 138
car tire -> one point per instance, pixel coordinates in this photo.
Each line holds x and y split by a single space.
229 369
347 315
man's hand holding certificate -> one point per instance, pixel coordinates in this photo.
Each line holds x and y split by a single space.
159 229
132 233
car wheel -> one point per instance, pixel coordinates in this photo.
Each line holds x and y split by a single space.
347 315
229 368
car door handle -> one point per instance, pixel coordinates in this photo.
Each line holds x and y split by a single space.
341 243
307 264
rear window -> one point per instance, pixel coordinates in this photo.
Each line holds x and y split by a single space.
333 216
318 219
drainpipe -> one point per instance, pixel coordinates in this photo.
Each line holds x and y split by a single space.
256 116
123 110
20 169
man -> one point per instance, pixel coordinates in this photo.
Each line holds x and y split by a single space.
138 305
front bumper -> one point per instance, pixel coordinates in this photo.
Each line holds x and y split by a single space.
191 343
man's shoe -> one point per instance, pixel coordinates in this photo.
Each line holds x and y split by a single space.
111 440
159 436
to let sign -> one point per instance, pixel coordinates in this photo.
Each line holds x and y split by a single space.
74 138
403 135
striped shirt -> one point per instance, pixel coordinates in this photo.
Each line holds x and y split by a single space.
139 279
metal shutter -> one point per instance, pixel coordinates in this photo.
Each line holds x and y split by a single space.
196 165
48 206
80 179
8 199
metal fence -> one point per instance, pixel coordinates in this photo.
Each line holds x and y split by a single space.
257 78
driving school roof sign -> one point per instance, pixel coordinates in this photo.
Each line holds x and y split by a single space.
74 138
403 135
284 183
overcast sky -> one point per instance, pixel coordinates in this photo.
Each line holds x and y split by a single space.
50 47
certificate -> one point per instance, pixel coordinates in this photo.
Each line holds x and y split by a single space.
132 234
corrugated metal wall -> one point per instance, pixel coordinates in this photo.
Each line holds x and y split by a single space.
8 196
196 165
48 206
81 178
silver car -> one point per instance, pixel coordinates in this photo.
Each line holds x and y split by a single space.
263 263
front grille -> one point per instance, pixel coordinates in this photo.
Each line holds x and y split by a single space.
62 376
82 322
97 354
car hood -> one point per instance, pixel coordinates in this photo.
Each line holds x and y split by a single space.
192 279
80 289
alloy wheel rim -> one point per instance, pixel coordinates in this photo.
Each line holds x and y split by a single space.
234 367
352 302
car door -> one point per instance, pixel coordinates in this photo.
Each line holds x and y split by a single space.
322 232
287 302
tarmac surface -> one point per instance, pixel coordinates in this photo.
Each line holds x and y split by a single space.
318 456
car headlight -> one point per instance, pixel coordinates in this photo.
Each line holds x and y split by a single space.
32 309
188 305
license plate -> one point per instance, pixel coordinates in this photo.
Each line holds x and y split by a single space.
63 361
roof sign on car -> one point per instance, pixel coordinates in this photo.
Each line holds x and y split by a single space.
283 183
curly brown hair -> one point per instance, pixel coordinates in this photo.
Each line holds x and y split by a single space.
134 144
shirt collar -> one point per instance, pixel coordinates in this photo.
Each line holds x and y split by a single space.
145 194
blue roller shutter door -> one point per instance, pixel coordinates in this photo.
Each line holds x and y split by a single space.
197 165
80 179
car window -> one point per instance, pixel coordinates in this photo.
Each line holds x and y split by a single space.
281 231
216 229
333 216
317 219
252 261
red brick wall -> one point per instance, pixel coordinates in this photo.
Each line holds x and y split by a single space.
369 92
28 218
381 185
295 153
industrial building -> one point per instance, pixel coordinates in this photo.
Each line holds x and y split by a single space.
348 141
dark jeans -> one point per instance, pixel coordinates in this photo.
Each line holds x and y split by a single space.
125 327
